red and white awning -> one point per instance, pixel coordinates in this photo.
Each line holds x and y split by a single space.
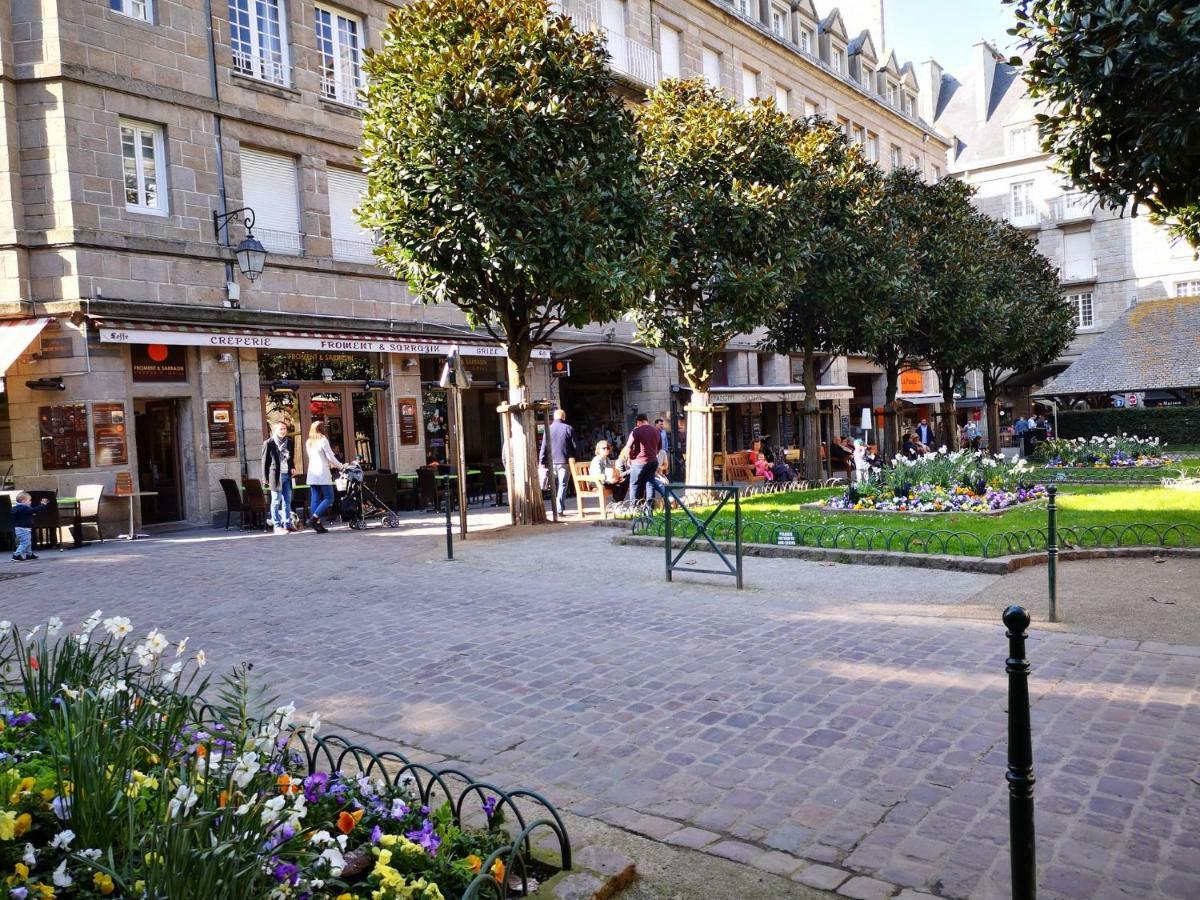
120 332
16 336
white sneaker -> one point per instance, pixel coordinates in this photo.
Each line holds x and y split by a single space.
279 530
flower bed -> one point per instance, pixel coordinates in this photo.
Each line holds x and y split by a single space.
1102 452
963 481
118 780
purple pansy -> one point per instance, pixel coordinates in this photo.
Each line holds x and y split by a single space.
426 837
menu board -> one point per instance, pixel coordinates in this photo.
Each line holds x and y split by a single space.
56 346
64 436
108 429
409 435
222 430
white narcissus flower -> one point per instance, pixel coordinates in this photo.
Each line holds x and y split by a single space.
144 656
172 674
314 723
201 659
245 769
180 647
36 629
5 628
156 642
60 877
272 809
54 626
183 801
118 626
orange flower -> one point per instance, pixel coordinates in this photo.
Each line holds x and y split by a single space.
347 820
222 799
33 663
474 863
498 871
201 751
287 786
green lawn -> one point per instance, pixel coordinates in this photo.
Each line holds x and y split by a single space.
1088 515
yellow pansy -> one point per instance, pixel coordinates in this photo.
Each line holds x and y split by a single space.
23 824
104 883
8 823
22 870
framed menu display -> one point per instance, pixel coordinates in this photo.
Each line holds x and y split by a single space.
409 435
222 430
108 431
64 436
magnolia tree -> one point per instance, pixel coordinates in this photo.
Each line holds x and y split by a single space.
1028 321
503 177
1119 81
729 189
821 310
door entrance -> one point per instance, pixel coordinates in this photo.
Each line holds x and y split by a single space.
156 431
351 420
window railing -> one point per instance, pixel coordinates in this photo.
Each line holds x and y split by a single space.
288 242
1024 218
353 251
343 89
262 67
1073 206
630 58
1078 270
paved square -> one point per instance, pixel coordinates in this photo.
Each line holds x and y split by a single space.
810 725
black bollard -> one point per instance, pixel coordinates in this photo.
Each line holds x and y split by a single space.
1052 550
1020 759
449 527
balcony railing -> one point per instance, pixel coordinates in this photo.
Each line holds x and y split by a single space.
1078 270
261 66
287 242
1029 219
1072 207
341 90
630 58
353 251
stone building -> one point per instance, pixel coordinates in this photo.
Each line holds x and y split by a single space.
137 132
1108 260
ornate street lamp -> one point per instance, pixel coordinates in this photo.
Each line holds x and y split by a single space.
251 255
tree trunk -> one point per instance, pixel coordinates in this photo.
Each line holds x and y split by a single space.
524 487
891 423
699 438
949 411
812 419
991 398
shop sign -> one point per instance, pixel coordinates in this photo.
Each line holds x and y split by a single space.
328 344
158 362
108 429
64 436
407 408
56 346
222 431
912 381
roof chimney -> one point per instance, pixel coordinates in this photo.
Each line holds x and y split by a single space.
929 81
985 75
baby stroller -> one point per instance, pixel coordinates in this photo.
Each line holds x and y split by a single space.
360 503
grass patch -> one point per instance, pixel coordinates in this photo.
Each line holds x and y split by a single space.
1098 514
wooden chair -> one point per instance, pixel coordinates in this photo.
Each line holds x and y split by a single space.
734 460
742 473
46 520
429 489
256 504
587 486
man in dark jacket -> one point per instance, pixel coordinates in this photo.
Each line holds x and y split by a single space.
558 449
278 467
643 446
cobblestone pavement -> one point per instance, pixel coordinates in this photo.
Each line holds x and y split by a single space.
809 725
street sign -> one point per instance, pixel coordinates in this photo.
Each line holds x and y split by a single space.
560 368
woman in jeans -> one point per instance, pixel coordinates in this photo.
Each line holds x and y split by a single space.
321 463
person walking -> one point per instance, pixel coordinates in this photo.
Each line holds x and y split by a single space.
558 449
321 463
971 433
278 469
643 447
23 512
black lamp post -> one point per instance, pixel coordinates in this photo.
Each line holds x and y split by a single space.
251 255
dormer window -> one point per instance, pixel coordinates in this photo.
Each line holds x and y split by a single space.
892 94
837 58
781 22
743 7
806 39
866 76
907 108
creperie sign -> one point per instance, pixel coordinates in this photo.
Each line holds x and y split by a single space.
328 344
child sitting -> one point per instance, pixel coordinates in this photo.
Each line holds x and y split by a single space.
762 468
22 517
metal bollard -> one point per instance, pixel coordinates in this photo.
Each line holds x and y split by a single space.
449 527
1020 759
1052 550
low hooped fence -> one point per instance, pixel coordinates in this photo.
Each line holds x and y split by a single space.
334 753
933 540
1128 475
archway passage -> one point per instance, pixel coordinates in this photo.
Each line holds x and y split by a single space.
602 390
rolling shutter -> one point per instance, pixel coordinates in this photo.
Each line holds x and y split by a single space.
350 241
269 188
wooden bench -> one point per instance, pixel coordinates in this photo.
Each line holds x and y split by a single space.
742 473
587 486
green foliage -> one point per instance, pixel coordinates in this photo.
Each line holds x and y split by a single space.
730 186
502 171
1170 424
1120 78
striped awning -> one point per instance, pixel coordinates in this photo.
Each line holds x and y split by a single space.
114 331
15 336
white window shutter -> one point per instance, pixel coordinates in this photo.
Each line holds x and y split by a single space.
712 66
749 84
269 188
350 241
1077 254
669 38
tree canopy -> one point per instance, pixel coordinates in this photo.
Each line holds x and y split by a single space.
1121 83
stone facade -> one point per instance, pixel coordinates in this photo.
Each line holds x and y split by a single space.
79 75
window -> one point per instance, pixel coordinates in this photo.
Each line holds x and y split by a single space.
135 9
872 148
668 39
844 124
936 174
143 167
743 8
914 162
269 188
860 135
711 62
806 39
1023 140
865 75
907 104
749 84
1082 304
783 98
256 39
613 22
893 95
837 59
1021 197
780 22
810 108
897 157
1079 262
350 241
340 45
1187 289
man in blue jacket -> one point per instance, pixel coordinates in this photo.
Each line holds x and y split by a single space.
558 449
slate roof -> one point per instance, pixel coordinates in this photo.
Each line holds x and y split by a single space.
1153 346
1008 104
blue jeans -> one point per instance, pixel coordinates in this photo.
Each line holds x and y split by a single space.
322 498
281 504
560 495
641 477
24 542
